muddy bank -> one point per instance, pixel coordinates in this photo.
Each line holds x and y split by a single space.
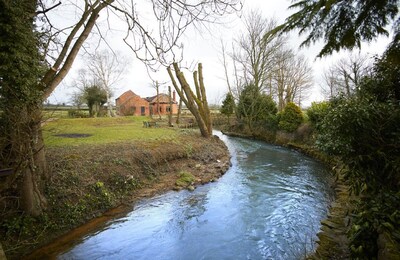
87 181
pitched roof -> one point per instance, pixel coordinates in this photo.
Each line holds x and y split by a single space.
163 98
126 94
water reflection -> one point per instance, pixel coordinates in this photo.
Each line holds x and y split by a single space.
267 206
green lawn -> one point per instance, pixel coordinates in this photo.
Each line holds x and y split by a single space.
102 130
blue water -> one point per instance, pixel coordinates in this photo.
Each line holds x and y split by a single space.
267 206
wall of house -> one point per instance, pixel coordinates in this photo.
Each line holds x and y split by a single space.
164 108
163 105
132 105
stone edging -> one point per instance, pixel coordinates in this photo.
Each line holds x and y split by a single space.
333 242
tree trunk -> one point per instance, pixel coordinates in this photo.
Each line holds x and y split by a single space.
26 156
158 100
110 111
178 117
197 104
170 107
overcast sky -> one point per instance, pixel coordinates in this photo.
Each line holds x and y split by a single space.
204 46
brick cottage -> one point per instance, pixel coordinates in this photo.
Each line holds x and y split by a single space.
131 104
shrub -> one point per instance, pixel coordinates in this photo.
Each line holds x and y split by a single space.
304 133
317 112
77 114
365 135
290 118
255 107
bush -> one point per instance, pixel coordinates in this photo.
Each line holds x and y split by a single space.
317 112
365 135
290 118
255 107
304 133
364 132
77 114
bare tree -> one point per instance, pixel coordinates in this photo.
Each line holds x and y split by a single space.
256 51
330 83
292 78
262 59
234 86
77 99
107 68
344 76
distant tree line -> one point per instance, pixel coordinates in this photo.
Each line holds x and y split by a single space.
264 76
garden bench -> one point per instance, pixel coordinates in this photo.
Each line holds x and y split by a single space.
150 124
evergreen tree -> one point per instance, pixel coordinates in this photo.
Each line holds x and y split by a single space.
228 106
291 117
255 107
343 24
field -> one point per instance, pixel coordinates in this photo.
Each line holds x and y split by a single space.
76 131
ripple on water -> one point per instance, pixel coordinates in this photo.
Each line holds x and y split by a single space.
267 206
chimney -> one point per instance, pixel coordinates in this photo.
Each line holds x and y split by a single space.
174 96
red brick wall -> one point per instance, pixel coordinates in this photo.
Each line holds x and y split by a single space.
131 104
163 109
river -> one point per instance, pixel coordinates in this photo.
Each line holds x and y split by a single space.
267 206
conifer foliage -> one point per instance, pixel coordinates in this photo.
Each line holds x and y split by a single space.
343 24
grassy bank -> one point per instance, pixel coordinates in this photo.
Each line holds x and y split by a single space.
101 163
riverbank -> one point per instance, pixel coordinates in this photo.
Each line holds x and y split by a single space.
87 181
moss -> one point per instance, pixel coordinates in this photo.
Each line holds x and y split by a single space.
185 179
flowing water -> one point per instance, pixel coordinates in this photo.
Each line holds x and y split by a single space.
267 206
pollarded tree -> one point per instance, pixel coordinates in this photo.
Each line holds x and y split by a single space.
196 102
343 24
